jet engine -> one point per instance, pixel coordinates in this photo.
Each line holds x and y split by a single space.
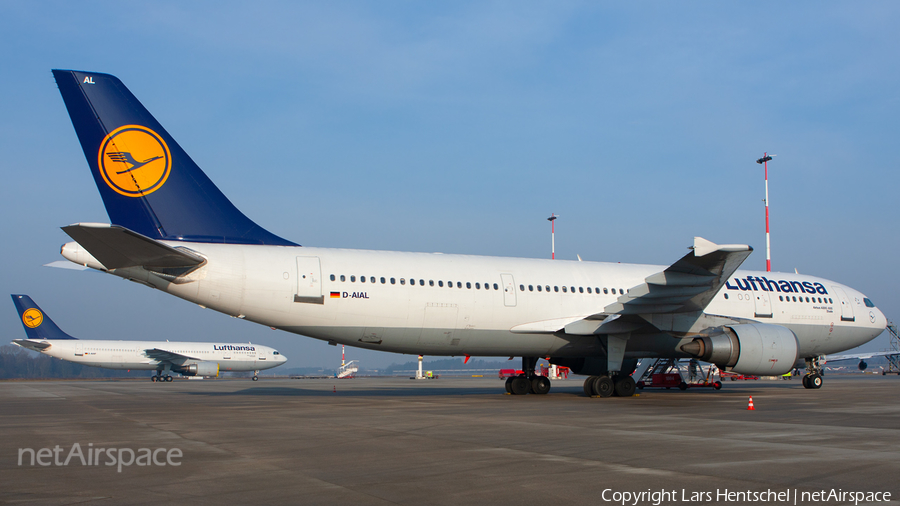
755 348
206 368
863 365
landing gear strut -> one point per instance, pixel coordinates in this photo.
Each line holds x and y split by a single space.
528 382
255 375
813 377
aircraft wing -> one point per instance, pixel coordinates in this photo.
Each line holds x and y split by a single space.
116 247
31 345
860 356
167 356
687 286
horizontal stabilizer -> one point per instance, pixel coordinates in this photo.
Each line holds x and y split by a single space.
31 345
117 247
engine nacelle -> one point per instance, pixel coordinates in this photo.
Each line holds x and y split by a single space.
206 368
754 348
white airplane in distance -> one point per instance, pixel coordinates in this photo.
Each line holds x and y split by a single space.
188 359
173 230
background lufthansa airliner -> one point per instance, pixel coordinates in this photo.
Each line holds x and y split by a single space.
173 230
188 359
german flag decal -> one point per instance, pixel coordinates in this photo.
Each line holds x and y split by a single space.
335 295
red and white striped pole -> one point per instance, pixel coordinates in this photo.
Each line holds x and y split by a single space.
765 162
552 220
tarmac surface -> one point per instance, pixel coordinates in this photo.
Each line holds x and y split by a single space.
449 441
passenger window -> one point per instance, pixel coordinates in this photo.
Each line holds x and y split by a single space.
555 288
422 282
830 301
795 298
521 288
564 290
402 281
531 288
478 286
332 277
807 299
496 287
440 283
459 284
430 282
383 281
372 279
581 289
468 285
362 279
353 279
343 278
780 297
572 289
726 296
589 289
547 288
606 291
393 281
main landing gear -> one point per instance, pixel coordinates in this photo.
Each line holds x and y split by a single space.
604 386
529 382
813 377
160 378
255 375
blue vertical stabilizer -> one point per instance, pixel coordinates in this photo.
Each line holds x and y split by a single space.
36 322
147 182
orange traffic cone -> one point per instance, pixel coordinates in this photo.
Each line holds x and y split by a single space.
750 406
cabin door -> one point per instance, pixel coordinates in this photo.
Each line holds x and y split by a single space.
509 290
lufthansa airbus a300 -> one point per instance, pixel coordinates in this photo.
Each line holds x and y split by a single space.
173 230
188 359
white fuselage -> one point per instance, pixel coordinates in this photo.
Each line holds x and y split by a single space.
453 313
132 355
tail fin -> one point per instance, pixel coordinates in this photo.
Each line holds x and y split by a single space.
148 183
36 322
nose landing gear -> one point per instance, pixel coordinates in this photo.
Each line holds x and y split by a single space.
813 377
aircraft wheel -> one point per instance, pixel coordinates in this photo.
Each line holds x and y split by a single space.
604 386
520 385
717 385
625 387
168 378
815 381
805 381
589 386
540 385
509 385
640 385
255 378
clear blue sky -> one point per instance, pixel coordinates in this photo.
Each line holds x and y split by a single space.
459 127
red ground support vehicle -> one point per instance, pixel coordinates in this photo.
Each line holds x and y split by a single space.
665 374
734 376
510 373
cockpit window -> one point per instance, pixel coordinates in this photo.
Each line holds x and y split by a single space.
869 303
275 353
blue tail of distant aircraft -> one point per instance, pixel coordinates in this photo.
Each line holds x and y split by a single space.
36 322
147 182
